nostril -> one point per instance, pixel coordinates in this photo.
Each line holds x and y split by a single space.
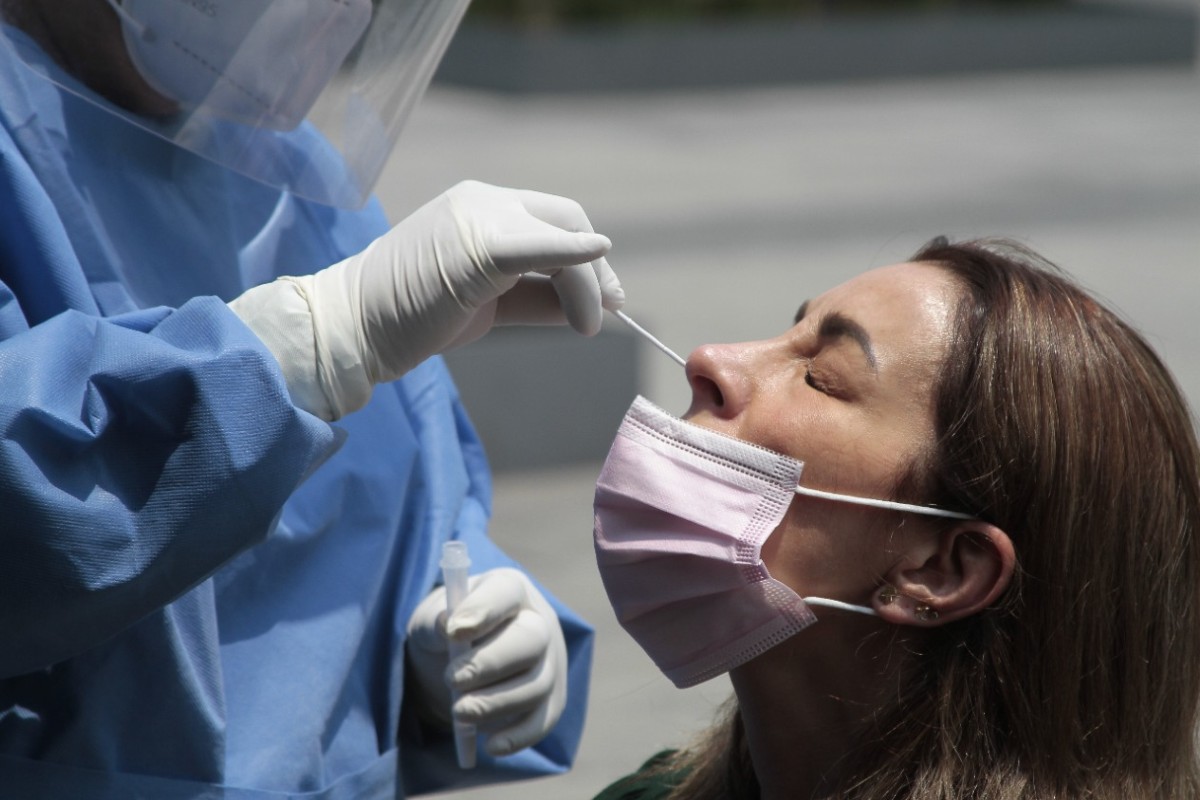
708 390
715 377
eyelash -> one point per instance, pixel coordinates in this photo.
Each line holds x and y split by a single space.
812 382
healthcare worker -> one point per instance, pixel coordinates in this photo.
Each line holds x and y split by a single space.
206 589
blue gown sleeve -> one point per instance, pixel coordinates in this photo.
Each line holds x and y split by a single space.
137 455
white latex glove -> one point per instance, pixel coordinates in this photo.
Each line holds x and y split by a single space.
513 680
474 257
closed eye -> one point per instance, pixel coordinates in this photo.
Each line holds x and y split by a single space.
812 381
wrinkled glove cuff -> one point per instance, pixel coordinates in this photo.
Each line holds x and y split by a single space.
279 316
341 370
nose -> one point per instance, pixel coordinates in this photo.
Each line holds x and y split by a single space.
720 377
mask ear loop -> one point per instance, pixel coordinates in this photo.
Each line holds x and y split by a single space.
891 505
838 604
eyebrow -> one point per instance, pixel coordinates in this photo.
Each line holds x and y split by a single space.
835 325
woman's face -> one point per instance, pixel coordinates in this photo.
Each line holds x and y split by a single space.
848 391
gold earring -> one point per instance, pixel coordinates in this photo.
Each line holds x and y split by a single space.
888 595
925 613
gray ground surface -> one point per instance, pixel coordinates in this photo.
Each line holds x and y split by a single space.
727 209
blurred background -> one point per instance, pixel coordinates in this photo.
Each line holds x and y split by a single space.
744 156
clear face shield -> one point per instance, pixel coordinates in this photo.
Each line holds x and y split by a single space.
305 95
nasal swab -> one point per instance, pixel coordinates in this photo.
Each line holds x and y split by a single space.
454 564
621 315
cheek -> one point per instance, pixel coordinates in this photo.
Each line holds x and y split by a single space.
808 429
825 551
856 456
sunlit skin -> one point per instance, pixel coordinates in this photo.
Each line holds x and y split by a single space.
848 391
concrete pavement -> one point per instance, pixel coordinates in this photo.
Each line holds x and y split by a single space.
728 208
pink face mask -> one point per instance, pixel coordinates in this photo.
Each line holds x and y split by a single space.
682 513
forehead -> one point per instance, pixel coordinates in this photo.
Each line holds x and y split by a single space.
906 306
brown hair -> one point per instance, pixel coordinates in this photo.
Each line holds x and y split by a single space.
1059 424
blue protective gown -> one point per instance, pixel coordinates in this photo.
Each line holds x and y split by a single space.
203 590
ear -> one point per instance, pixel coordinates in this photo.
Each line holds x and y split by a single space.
958 573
